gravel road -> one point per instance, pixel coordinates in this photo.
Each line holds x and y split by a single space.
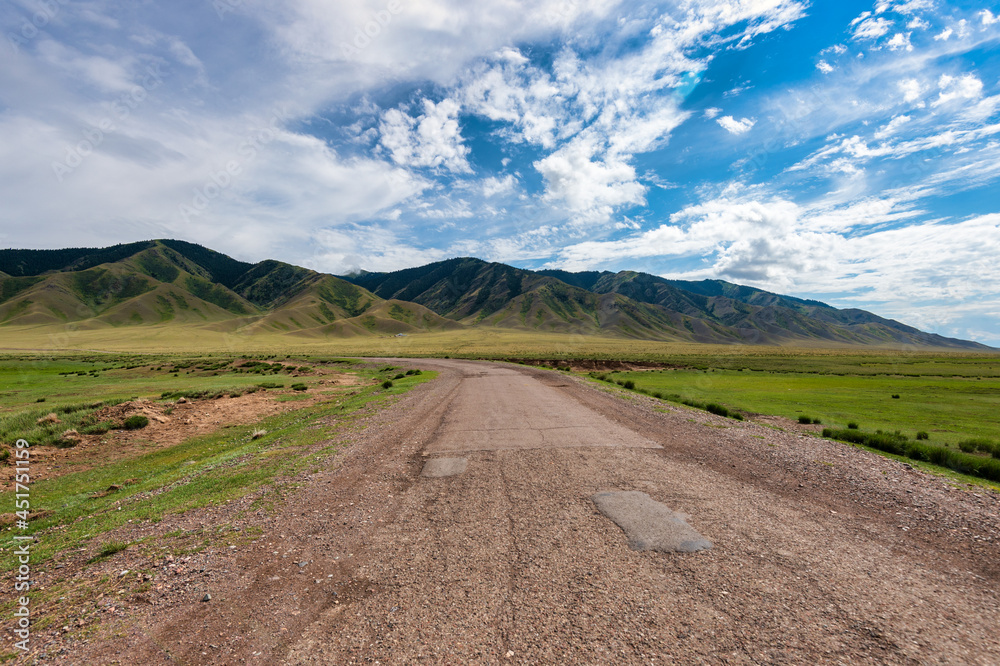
821 553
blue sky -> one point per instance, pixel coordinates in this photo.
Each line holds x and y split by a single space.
843 151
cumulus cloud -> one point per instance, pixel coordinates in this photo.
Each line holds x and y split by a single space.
912 90
734 126
433 139
954 88
900 42
824 66
589 188
872 28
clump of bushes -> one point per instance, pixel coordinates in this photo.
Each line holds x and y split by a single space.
805 420
895 396
923 435
387 384
899 444
412 373
399 376
135 422
981 445
299 387
852 426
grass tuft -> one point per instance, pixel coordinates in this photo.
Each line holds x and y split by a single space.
108 549
135 422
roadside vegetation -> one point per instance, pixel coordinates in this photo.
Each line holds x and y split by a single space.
923 408
76 510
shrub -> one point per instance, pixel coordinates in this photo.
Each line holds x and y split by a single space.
716 409
967 446
399 376
135 422
270 385
895 396
923 435
4 456
657 394
40 400
629 384
414 372
817 421
805 420
51 417
387 384
299 387
258 433
898 444
852 426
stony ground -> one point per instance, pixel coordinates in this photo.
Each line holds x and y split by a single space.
822 553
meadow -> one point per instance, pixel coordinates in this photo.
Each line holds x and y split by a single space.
75 508
949 407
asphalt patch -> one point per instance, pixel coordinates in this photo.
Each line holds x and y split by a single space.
648 524
439 467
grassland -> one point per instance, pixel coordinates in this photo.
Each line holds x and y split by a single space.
466 343
949 408
75 510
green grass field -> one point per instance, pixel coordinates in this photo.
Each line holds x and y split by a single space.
75 511
949 408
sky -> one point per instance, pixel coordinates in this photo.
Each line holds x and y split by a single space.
837 150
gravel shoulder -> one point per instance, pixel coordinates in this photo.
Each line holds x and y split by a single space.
821 552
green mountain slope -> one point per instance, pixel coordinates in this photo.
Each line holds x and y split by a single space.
169 282
174 282
636 305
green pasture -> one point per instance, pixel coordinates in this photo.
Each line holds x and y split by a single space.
76 510
951 399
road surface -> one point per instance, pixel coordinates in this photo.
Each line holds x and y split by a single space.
821 553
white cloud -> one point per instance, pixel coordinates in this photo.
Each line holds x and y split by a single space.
892 127
432 140
900 42
913 6
858 252
953 88
872 28
824 66
493 186
589 188
342 250
944 35
987 17
712 112
734 126
912 90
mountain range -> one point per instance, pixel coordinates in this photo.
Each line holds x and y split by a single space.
164 282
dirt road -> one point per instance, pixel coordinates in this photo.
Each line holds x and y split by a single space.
821 552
